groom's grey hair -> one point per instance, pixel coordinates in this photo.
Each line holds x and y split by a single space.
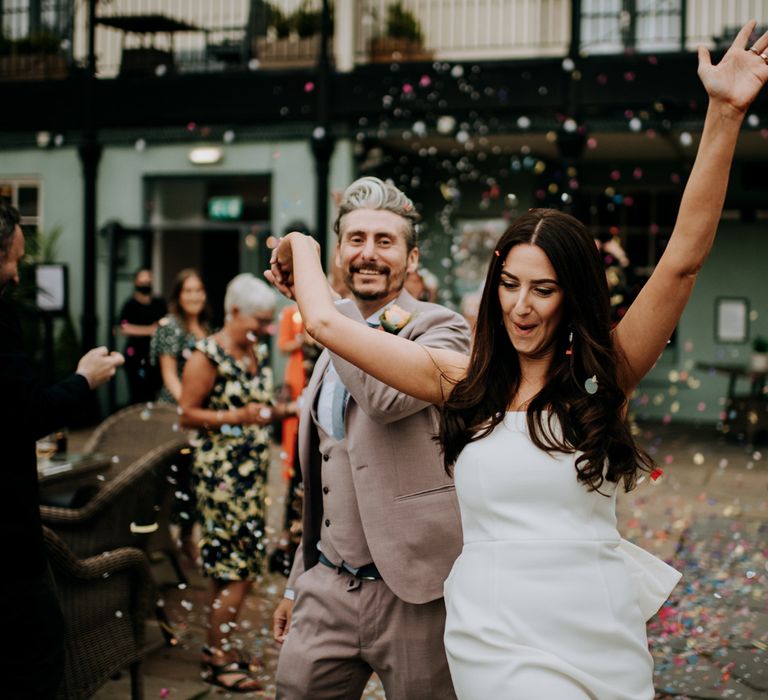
372 193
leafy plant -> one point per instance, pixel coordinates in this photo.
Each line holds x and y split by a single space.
306 21
402 23
41 247
43 42
277 20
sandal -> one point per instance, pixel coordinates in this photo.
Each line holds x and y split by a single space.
252 664
242 681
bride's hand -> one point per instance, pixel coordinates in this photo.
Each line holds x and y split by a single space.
741 73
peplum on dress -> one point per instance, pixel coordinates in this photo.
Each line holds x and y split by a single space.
546 600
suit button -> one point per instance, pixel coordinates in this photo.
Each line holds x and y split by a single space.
326 489
326 457
327 523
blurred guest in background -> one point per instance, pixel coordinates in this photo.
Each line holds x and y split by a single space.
290 341
303 353
171 345
227 394
178 332
421 284
138 321
470 305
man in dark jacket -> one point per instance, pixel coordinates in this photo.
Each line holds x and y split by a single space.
31 618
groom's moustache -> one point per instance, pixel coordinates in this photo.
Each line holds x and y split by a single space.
383 269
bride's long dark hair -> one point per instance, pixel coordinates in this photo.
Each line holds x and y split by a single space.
595 425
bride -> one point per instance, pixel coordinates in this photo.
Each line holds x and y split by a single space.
546 600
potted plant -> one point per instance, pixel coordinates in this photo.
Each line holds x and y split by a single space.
403 40
37 56
292 41
759 360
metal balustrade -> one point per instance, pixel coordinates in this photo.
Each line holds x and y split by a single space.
475 29
190 36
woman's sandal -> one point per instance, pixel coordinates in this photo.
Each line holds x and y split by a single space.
252 664
242 681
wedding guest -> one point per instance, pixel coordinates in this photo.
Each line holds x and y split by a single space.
138 321
227 394
172 343
177 333
421 284
34 661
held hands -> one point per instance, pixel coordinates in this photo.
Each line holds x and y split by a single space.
741 73
280 272
99 366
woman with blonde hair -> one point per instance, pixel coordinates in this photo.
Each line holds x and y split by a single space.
227 395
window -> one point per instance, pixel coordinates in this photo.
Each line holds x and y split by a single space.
25 196
615 26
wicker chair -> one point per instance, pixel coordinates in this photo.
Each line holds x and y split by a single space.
124 513
143 440
133 431
105 600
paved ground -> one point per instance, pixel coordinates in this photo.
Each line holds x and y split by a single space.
708 515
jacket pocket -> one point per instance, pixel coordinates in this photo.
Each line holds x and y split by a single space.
426 492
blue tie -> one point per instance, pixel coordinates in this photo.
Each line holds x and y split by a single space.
339 402
338 405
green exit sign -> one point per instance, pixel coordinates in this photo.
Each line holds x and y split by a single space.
225 208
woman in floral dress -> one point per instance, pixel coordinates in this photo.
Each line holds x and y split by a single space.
227 395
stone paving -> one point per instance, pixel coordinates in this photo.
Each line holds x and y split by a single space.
707 515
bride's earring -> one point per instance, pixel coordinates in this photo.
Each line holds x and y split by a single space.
591 385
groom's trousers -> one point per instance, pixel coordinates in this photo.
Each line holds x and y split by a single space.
344 628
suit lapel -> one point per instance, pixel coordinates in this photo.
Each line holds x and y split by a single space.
306 423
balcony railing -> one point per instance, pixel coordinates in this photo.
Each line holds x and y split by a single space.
48 38
470 29
35 38
649 26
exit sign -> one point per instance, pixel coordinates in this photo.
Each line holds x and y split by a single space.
225 208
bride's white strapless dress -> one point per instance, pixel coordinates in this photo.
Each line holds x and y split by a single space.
546 601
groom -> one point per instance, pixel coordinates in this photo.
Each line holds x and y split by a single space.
381 525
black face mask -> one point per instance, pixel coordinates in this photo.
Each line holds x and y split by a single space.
143 288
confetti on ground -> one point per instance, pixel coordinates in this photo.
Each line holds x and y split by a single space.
711 638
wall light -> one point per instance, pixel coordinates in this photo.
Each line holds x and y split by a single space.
206 155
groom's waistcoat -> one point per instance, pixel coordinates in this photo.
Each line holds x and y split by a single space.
388 469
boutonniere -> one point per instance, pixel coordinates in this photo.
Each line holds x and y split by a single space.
393 319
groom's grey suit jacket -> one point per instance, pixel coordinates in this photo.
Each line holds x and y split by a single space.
407 502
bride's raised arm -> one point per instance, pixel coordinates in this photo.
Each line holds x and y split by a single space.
731 85
425 373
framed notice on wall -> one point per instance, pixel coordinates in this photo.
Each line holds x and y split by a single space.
731 320
52 287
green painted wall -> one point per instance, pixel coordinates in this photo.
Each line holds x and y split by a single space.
61 203
122 173
737 267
